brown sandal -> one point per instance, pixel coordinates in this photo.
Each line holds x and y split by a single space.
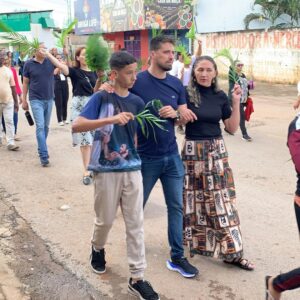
242 263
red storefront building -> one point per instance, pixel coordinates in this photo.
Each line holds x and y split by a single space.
130 24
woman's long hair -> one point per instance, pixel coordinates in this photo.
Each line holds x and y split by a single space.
77 53
192 89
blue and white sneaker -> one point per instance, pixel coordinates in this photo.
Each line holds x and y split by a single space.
182 266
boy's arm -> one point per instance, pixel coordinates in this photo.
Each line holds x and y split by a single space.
82 124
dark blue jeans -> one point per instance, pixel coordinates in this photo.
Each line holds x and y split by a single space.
170 171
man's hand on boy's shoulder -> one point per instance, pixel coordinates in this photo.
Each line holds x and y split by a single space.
106 86
123 118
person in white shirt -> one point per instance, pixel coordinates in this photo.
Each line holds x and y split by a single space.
8 102
186 70
177 65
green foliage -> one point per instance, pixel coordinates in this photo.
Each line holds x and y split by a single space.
140 63
187 60
61 37
156 104
271 10
181 49
147 120
191 34
233 76
227 54
15 38
156 32
97 53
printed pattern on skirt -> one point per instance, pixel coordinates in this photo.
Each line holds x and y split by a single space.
211 221
81 138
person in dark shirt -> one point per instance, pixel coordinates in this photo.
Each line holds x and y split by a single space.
116 166
211 221
243 82
61 94
160 157
39 81
83 82
159 152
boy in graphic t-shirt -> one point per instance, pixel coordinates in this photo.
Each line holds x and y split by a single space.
116 166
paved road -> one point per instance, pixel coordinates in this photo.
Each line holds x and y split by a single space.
30 217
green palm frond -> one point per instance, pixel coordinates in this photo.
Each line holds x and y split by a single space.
182 50
61 37
156 32
97 53
233 76
227 54
156 104
15 38
148 120
191 34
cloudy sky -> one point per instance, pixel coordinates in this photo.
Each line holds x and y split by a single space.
60 8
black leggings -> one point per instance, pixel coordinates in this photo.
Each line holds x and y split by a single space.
243 119
61 92
287 281
297 211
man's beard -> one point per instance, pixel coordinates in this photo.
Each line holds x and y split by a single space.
164 68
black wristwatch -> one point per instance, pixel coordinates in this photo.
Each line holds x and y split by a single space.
177 118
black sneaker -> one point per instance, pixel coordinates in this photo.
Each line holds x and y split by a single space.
182 266
247 138
98 261
45 162
142 289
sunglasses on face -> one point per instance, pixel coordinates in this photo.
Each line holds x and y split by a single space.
240 65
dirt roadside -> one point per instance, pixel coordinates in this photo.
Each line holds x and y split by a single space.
36 274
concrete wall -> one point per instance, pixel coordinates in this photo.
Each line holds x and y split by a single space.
272 56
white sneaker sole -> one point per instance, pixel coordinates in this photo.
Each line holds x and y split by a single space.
171 268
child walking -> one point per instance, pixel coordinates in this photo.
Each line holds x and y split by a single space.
117 175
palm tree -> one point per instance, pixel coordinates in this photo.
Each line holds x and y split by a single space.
271 10
291 8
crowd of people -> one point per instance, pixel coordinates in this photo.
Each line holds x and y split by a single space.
198 184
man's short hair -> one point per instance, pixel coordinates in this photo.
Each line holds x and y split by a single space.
157 41
120 60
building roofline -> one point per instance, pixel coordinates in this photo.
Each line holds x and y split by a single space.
26 12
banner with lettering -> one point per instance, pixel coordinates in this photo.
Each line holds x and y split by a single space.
127 15
87 12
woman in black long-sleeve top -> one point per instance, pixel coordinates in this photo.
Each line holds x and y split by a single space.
61 94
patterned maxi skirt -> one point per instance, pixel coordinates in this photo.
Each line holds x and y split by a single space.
211 221
81 138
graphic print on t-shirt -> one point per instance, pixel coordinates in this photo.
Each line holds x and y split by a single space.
113 148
